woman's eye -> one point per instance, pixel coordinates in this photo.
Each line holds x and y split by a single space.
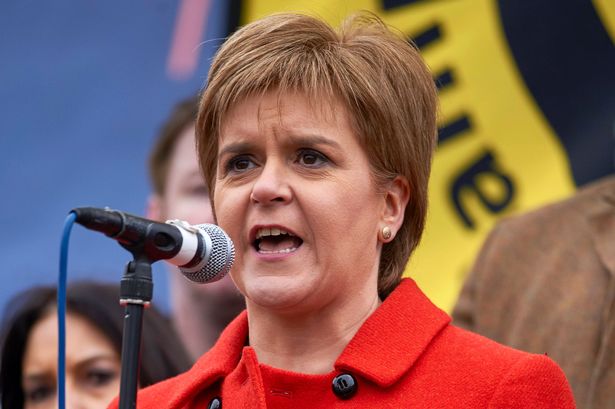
311 158
40 393
200 190
239 164
100 377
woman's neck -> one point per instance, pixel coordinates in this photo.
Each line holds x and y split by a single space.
306 343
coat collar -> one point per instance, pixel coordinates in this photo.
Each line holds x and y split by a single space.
211 367
394 336
382 351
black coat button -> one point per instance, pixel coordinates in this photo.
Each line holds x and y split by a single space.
344 386
215 403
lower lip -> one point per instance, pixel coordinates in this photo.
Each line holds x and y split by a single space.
276 256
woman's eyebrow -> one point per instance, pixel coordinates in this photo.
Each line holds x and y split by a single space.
314 139
301 140
37 376
94 359
238 147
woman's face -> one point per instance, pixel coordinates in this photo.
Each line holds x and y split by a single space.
295 192
92 365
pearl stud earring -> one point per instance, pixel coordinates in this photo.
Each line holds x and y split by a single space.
386 232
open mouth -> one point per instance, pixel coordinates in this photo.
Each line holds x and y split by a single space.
273 240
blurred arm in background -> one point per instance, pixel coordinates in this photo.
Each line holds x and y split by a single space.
544 282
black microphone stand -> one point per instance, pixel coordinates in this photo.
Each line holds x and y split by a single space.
148 242
136 290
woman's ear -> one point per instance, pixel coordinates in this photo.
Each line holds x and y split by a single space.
397 195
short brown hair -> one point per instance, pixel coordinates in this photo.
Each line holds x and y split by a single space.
182 115
378 75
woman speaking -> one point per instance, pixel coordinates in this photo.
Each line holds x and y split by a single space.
317 145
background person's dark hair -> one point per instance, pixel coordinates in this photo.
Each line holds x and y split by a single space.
183 114
162 354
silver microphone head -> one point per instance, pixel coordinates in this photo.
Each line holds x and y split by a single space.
217 259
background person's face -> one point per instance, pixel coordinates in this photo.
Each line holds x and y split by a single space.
186 196
92 365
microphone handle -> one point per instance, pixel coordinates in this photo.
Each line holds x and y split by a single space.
156 241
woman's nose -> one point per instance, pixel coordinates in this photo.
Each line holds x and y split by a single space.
73 401
76 399
271 186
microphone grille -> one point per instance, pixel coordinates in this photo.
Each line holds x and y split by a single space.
218 258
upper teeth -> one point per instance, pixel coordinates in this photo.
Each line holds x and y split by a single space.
271 231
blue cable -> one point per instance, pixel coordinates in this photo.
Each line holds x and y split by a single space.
68 225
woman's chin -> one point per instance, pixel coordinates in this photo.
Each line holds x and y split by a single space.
277 293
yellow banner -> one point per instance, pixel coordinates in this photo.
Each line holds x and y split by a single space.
497 155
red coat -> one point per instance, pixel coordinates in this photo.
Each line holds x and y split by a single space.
406 355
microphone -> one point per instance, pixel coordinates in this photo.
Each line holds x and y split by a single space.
204 253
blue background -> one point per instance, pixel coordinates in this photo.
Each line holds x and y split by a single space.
84 89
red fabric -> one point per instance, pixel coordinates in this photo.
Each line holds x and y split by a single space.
406 355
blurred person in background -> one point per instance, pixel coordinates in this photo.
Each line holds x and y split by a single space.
544 282
199 312
94 323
